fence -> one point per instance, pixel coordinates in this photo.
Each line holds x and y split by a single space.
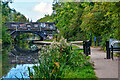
110 48
86 46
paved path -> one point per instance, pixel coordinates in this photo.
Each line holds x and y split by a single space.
104 68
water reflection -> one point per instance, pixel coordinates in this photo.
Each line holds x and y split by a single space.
25 53
17 58
19 71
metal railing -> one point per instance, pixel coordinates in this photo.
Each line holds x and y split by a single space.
111 49
86 46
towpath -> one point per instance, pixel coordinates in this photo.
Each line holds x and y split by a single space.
104 68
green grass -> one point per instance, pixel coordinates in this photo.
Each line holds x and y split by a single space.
76 47
86 72
117 54
51 40
79 68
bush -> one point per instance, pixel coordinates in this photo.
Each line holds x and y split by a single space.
58 61
52 60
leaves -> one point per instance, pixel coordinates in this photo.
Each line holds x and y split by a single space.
8 15
76 21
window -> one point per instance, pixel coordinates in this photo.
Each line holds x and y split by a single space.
28 25
14 25
44 24
51 27
35 25
22 25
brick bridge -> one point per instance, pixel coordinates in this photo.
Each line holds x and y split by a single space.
42 29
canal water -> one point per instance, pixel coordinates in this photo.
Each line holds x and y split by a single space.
18 57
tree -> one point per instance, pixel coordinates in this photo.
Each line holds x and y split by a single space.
9 14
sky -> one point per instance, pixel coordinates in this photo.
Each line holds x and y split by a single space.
33 9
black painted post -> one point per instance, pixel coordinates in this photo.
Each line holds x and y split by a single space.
84 47
87 51
71 46
108 50
112 52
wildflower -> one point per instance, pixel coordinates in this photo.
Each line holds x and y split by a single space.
68 6
52 71
57 64
65 40
30 76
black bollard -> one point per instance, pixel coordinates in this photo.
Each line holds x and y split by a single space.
112 52
108 50
84 47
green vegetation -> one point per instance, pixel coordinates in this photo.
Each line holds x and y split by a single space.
77 21
9 15
51 40
80 67
5 60
75 47
59 61
47 18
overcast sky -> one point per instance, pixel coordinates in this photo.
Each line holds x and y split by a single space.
33 9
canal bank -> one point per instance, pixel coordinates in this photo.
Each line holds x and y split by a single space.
17 60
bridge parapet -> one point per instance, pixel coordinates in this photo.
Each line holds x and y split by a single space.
33 26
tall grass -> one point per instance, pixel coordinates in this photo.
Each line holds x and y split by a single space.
59 61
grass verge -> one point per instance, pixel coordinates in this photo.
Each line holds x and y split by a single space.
79 67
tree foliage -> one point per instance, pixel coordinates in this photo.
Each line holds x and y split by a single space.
77 20
47 18
9 15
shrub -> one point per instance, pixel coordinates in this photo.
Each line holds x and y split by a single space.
52 60
59 61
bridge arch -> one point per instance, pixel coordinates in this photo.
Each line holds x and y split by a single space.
40 34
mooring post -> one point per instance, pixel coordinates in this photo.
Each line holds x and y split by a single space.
84 47
71 46
87 48
112 52
108 50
